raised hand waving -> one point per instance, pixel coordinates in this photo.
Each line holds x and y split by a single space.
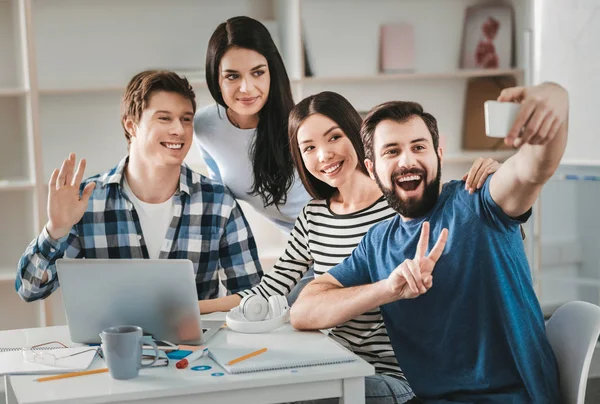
65 206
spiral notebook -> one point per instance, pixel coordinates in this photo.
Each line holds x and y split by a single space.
285 350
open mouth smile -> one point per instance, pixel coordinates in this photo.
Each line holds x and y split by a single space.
172 146
409 182
332 169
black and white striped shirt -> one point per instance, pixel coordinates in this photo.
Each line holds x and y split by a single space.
323 239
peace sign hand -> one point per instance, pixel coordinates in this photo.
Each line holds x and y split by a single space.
65 206
414 277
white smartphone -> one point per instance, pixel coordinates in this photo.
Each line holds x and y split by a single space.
500 117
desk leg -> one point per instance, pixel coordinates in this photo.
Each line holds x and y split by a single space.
353 391
8 391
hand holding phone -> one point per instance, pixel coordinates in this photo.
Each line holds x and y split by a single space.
500 117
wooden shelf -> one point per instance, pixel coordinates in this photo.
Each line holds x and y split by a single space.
11 92
7 276
17 185
82 90
461 73
471 156
106 89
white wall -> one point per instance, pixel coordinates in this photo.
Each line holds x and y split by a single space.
570 239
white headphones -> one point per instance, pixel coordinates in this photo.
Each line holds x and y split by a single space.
257 315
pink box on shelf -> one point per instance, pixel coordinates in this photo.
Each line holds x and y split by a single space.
397 48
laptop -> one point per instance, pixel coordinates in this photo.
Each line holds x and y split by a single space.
158 295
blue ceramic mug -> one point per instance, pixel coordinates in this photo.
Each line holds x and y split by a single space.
122 348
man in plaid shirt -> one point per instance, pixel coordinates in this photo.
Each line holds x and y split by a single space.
150 205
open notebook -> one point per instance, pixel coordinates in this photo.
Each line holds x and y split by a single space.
12 362
285 350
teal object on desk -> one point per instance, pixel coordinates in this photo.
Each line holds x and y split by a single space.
179 354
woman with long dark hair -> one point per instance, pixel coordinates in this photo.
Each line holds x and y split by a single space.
242 137
327 151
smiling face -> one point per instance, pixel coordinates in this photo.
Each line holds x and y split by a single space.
327 153
163 135
244 81
406 166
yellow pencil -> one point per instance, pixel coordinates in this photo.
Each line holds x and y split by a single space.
74 374
243 358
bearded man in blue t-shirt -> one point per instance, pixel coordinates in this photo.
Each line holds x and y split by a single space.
472 331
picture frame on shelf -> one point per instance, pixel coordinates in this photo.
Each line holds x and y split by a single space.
488 37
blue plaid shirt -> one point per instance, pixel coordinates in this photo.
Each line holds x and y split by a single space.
209 229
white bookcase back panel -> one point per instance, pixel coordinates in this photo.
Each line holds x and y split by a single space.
16 211
94 44
14 161
9 47
444 99
342 36
17 313
87 126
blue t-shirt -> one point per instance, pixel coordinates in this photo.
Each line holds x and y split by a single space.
478 335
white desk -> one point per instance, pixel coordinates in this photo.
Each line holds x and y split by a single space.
169 384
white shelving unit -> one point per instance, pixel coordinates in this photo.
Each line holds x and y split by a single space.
19 210
8 275
16 185
461 73
66 62
456 74
9 92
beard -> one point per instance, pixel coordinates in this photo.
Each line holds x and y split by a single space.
412 207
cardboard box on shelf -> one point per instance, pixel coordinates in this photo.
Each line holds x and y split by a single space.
480 90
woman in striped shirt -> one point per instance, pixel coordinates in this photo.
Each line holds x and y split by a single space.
324 133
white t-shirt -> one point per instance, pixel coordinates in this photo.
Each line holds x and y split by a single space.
155 219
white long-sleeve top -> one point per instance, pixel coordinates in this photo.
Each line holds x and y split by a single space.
225 150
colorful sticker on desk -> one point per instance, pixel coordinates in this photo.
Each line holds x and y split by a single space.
179 354
201 368
218 374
